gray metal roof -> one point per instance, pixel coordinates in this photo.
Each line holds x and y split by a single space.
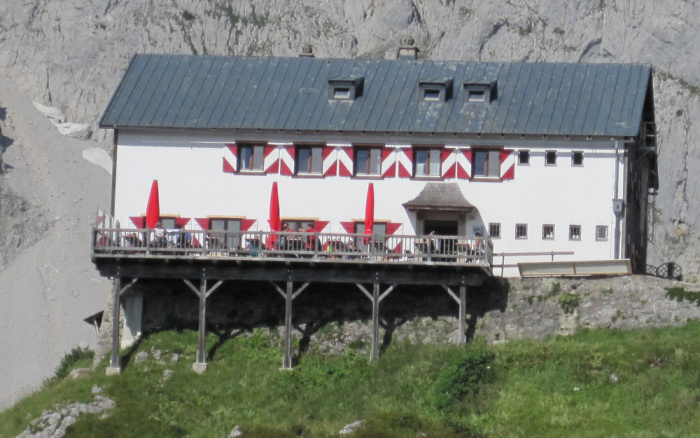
217 92
439 196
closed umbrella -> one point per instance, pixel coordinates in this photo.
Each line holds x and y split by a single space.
153 208
369 210
275 222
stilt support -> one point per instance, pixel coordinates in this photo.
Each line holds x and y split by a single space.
462 301
289 294
117 291
200 364
375 298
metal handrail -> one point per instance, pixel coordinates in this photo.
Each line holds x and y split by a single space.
292 245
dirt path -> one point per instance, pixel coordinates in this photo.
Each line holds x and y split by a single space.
48 288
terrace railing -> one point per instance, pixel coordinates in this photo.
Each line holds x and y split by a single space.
109 241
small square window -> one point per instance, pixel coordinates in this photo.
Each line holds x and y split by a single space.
574 232
601 232
548 232
521 231
577 158
550 158
309 160
495 230
426 162
524 157
486 163
368 161
251 157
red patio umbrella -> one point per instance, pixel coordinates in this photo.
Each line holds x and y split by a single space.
153 208
369 210
275 222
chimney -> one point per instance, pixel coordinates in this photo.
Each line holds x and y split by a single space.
307 51
407 50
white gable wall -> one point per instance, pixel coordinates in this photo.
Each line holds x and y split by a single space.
192 183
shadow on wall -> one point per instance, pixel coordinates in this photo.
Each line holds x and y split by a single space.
330 317
5 142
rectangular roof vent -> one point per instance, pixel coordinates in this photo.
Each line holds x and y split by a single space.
435 90
480 91
345 88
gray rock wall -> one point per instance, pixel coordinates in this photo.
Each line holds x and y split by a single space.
333 319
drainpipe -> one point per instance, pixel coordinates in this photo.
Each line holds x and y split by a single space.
618 203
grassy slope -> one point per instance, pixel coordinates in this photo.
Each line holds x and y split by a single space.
553 388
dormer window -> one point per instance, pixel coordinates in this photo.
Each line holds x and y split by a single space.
436 90
345 88
480 91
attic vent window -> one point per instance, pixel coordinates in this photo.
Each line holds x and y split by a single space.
436 90
341 93
476 95
345 88
432 95
480 91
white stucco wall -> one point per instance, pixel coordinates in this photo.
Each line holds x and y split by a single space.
192 184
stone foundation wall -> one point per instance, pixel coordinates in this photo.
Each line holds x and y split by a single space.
332 318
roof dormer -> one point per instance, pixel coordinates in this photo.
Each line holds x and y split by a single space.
484 92
439 90
345 88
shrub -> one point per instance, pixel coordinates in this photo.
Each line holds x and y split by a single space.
68 362
569 302
464 373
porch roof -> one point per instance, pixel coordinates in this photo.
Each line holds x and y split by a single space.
440 196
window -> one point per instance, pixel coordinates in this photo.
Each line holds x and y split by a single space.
427 162
299 224
495 230
432 94
574 232
379 228
577 158
368 160
486 163
601 232
476 95
309 160
548 232
224 233
521 231
550 158
251 157
524 157
341 93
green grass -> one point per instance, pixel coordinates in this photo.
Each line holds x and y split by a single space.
641 383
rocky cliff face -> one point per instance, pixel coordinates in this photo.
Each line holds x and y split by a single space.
71 55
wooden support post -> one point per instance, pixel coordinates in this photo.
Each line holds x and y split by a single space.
200 364
287 360
462 337
114 367
374 352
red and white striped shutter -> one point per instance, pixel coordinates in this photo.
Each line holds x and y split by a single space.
330 161
388 168
464 163
507 164
448 158
345 161
286 160
404 162
230 158
271 162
